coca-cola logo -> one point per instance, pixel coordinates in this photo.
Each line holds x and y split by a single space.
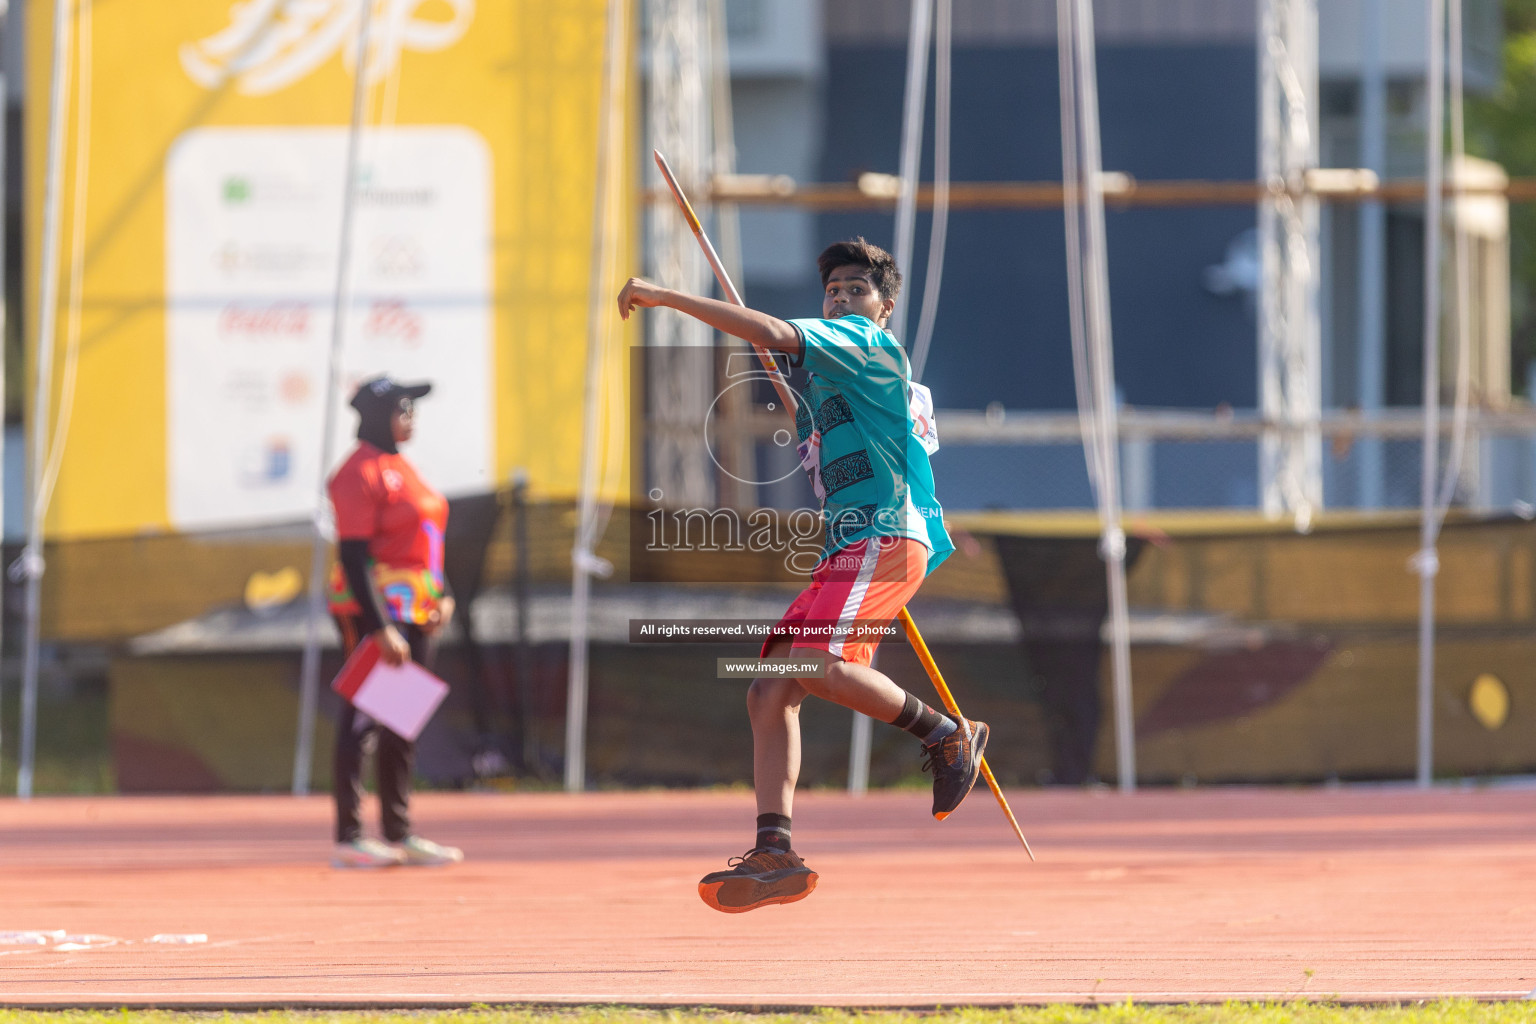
275 321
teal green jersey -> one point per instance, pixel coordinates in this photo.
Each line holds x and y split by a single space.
866 432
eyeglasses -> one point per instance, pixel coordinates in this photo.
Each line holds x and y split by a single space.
405 407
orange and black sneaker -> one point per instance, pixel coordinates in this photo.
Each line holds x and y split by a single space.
955 762
757 878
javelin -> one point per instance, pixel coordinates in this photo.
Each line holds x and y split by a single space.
916 638
932 668
779 384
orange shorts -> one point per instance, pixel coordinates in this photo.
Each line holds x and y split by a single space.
858 588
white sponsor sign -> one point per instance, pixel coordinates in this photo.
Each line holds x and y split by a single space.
252 242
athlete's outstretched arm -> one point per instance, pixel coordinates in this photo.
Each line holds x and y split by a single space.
747 324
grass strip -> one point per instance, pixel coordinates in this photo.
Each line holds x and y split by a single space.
1451 1011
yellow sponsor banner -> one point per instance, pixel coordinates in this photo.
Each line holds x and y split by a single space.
214 141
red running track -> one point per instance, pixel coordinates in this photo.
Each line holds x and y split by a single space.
1356 894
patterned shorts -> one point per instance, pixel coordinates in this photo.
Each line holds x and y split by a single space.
853 593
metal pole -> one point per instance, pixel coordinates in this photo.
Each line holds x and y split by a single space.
1427 561
1100 336
1093 341
523 756
1270 306
860 741
583 561
576 682
858 754
309 671
1371 359
918 35
4 294
911 149
29 566
727 215
679 122
1290 455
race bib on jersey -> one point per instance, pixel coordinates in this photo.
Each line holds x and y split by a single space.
925 424
810 461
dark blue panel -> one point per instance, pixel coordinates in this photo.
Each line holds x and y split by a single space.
1179 111
1002 331
1176 344
1206 474
973 477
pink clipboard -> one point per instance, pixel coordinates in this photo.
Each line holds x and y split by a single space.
401 698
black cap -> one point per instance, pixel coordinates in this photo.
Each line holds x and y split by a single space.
385 393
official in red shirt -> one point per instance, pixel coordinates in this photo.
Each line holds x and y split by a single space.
388 584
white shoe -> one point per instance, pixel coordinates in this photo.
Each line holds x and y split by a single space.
366 853
415 851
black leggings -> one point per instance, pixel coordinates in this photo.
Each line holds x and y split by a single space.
394 756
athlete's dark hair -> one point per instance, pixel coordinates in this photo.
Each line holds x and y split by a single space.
858 253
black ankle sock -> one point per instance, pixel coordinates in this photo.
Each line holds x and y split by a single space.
772 832
923 722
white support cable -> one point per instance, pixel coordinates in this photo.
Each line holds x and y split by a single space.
1078 199
1082 166
391 43
80 182
1427 562
912 119
309 669
1461 261
600 331
29 567
1072 200
59 437
939 229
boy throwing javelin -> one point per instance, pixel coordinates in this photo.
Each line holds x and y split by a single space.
865 436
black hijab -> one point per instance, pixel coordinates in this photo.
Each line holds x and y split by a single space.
373 426
376 402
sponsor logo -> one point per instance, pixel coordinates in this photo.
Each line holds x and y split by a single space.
271 44
268 463
397 196
248 390
266 259
281 320
392 319
397 256
295 387
242 189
